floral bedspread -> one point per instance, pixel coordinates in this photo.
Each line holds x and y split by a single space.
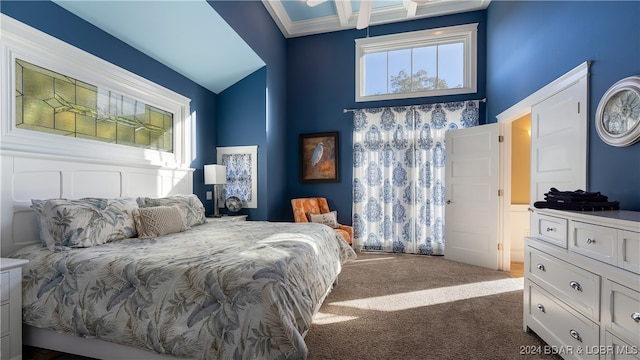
221 290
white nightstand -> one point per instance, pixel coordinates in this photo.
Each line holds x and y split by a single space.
229 218
11 308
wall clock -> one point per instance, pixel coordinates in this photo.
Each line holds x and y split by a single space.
618 113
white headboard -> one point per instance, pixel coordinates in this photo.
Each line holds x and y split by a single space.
42 165
27 176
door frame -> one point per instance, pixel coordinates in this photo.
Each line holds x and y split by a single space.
506 118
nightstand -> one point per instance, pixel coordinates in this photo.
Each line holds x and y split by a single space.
228 218
11 308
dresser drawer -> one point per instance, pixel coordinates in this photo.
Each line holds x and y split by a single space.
550 229
629 250
596 242
6 321
5 347
560 325
4 286
615 349
621 311
574 285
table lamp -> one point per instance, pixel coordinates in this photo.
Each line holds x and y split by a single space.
215 175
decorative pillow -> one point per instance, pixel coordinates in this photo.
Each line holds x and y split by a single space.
329 219
158 220
84 222
190 206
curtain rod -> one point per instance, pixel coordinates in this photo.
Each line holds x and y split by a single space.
347 110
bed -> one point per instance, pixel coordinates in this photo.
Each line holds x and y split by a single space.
209 290
218 290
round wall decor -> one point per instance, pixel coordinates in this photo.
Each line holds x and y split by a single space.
618 113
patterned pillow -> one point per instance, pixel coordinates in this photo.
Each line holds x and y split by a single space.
158 220
190 206
329 219
84 222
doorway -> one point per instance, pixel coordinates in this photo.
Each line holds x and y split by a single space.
516 122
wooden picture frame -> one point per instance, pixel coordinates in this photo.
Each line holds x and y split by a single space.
319 157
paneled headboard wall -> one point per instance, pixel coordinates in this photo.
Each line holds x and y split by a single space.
27 176
53 163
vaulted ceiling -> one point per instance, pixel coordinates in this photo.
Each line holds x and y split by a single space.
193 48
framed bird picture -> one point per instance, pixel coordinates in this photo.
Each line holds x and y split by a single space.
319 157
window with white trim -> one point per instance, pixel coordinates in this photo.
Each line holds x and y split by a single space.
422 63
113 115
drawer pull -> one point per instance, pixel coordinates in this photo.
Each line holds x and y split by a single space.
541 307
576 335
541 267
634 316
550 229
575 285
591 241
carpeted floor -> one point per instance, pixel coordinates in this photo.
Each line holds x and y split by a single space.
398 306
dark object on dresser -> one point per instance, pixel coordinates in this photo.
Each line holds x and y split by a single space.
576 200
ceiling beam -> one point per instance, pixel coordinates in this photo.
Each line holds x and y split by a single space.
411 7
344 11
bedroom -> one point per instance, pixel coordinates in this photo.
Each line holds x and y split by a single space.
519 56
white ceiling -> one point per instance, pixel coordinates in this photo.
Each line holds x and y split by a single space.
190 37
297 18
187 36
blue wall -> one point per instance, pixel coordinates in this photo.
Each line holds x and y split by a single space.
242 113
253 23
52 19
321 83
531 43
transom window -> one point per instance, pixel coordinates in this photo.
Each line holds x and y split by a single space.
423 63
54 103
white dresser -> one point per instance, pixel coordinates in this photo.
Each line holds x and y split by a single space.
582 283
11 308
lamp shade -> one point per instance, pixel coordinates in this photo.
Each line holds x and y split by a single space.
215 174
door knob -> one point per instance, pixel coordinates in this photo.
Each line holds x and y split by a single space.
449 202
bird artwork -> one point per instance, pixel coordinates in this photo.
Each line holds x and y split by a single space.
317 154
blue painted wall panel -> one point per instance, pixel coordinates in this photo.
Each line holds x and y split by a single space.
321 83
241 121
531 43
253 23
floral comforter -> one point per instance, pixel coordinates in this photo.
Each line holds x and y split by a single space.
221 290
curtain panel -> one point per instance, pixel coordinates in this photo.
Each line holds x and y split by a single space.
398 175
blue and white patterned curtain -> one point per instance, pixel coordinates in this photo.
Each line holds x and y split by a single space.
238 177
398 175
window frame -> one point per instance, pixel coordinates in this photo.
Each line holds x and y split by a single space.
467 34
20 41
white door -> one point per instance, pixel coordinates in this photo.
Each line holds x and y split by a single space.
472 213
559 141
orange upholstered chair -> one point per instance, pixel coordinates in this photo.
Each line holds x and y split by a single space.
318 205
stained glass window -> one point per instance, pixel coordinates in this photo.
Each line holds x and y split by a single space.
50 102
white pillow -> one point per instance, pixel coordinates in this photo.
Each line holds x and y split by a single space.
329 219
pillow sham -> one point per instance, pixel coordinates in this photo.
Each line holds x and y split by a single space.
158 220
84 222
190 206
330 219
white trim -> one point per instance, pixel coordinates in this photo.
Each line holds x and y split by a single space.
468 34
19 41
523 107
253 151
506 118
